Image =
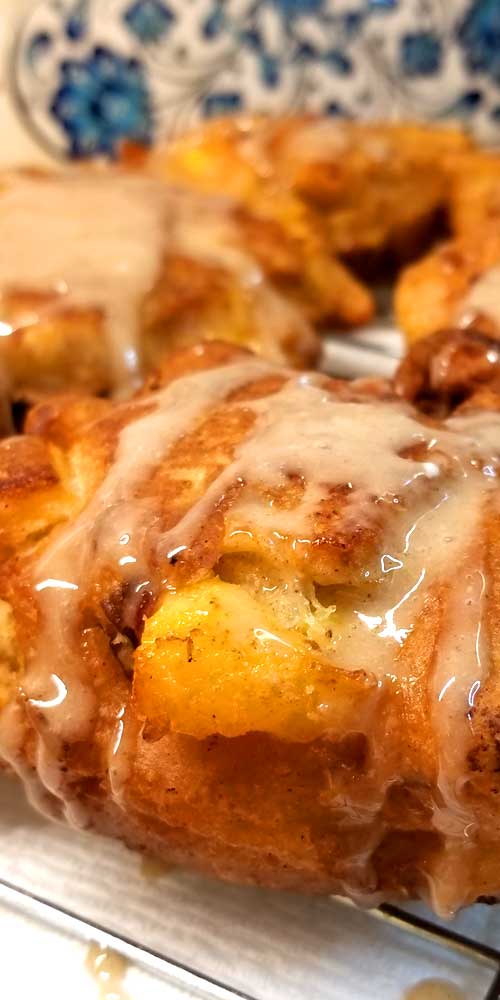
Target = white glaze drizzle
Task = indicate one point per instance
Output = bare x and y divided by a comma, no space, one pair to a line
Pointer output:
305,431
205,230
56,685
312,141
462,664
483,298
267,456
64,567
96,239
427,540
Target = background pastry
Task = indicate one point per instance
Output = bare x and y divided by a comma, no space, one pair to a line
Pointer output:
102,271
474,196
451,369
105,269
358,190
457,284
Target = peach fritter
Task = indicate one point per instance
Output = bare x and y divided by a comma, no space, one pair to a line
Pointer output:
341,188
104,270
250,625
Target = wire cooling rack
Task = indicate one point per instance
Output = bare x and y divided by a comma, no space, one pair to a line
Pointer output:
430,931
46,911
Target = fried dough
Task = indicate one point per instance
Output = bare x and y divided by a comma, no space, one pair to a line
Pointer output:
103,271
474,196
347,188
456,285
251,626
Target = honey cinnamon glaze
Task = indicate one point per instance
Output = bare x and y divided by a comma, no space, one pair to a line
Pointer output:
97,239
482,300
269,453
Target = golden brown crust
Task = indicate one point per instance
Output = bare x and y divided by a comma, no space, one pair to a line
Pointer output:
192,298
213,162
458,368
226,762
431,295
363,187
308,193
370,192
474,196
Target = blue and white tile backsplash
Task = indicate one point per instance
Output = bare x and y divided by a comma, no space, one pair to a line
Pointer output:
85,74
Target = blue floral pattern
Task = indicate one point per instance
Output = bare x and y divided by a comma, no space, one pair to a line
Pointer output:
479,34
91,73
76,21
420,54
101,101
150,20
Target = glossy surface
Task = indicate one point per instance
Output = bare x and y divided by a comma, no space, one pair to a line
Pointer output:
307,656
434,989
483,300
84,240
102,269
108,970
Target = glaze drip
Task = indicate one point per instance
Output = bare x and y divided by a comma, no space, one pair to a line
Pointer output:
421,488
483,299
88,239
97,239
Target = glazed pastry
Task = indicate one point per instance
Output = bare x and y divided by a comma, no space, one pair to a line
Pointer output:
354,189
250,625
451,369
102,271
455,285
474,196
